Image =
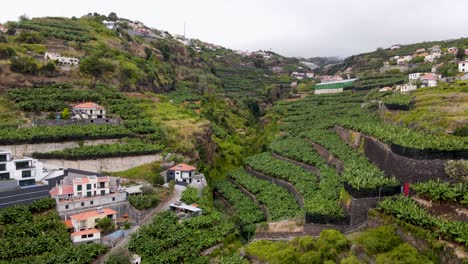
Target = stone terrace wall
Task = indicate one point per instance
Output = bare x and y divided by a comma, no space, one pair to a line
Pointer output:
104,165
403,168
21,150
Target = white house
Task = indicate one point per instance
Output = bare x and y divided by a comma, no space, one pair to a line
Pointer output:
404,59
414,77
429,79
463,66
181,173
277,69
88,110
298,75
406,88
431,57
110,24
396,46
82,187
61,60
24,170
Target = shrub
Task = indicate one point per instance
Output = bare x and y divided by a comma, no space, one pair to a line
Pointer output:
457,169
25,64
157,180
96,66
65,113
105,225
403,254
379,240
29,37
6,51
190,195
351,259
143,202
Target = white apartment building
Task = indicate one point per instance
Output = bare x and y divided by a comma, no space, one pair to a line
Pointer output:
24,170
61,60
413,77
463,66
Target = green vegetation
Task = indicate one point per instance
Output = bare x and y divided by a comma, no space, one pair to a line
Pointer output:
330,246
143,202
379,80
124,149
168,240
398,101
246,211
279,201
35,234
437,110
59,134
379,240
443,192
324,200
409,211
60,28
190,195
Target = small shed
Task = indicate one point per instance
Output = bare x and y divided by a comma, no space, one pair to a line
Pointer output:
183,208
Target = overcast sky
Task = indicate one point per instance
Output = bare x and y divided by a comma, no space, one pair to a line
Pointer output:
290,27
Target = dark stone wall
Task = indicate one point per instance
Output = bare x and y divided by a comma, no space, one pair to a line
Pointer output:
300,164
403,168
284,184
327,156
358,208
252,197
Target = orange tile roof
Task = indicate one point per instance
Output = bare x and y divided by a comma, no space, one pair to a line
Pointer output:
81,181
68,223
86,232
66,189
183,167
93,213
88,105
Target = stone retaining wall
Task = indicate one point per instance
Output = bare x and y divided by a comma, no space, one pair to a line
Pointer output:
300,164
403,168
284,184
105,164
252,197
326,155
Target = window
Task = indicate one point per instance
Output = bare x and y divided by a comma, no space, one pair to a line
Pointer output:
4,176
113,199
102,185
91,202
103,192
22,165
79,187
78,193
82,203
3,157
90,235
66,207
83,236
2,167
27,183
88,186
94,185
88,194
26,174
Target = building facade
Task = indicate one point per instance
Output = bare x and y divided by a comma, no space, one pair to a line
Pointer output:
463,66
88,110
181,173
26,171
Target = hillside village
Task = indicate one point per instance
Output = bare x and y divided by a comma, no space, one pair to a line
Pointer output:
122,141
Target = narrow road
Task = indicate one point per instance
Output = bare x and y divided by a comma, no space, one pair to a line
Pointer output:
163,206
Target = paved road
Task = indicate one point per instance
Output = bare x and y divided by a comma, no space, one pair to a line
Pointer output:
163,206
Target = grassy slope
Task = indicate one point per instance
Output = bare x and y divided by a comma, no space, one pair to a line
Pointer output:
437,110
9,115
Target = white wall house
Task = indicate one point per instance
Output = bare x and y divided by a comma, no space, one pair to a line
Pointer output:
429,80
110,24
463,66
61,60
181,173
414,77
81,187
406,88
88,110
25,170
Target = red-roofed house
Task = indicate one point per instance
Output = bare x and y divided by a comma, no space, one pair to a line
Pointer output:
87,186
181,173
84,224
86,236
3,29
429,79
88,110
